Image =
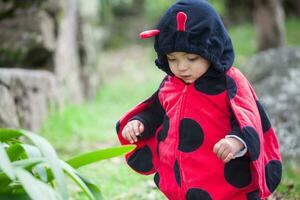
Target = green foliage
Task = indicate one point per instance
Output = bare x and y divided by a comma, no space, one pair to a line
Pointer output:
290,183
218,5
244,42
34,171
155,8
292,31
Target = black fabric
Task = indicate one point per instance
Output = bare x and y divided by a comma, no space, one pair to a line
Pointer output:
141,159
191,135
253,195
235,128
152,117
205,35
237,172
197,194
211,82
265,121
156,179
252,141
177,173
273,174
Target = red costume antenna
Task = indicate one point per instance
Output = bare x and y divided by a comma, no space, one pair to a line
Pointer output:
181,20
149,33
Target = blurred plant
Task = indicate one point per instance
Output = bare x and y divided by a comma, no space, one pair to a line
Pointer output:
34,171
219,6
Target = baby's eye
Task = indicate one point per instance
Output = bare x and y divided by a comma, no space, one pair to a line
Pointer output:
193,58
171,59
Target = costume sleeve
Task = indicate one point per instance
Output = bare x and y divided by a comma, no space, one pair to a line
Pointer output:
143,159
151,118
236,133
257,131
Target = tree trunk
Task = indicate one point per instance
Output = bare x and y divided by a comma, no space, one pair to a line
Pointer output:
67,66
269,21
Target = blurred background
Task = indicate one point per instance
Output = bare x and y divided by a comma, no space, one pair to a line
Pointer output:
69,69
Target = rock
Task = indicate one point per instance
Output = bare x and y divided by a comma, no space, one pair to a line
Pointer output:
27,38
26,97
8,117
47,36
275,76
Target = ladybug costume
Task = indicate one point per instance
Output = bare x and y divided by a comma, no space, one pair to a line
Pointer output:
182,122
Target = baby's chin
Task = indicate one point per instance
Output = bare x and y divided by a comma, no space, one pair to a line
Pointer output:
188,81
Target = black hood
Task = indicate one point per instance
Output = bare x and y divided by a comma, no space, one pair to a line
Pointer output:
204,34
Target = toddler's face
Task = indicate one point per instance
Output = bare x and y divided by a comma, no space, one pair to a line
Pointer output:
186,66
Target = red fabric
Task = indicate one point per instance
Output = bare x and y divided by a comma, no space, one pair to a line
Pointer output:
241,105
197,166
149,33
181,20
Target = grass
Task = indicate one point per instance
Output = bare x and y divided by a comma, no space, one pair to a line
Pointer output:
129,76
290,184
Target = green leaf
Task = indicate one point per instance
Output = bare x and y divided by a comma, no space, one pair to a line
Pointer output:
14,151
15,196
21,151
95,156
4,185
27,163
41,171
5,164
74,176
31,151
8,134
93,188
36,189
52,159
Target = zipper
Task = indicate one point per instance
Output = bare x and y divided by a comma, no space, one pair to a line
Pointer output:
178,153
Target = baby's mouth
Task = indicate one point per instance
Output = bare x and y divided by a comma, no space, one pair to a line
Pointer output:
185,76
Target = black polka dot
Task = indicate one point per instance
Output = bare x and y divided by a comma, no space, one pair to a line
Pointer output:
254,195
141,159
237,172
162,135
197,194
118,126
252,142
210,85
158,142
231,87
273,174
156,179
265,121
190,135
177,173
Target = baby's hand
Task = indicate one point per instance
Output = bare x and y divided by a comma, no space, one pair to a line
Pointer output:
226,148
132,129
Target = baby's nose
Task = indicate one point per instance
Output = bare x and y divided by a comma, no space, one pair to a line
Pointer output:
182,66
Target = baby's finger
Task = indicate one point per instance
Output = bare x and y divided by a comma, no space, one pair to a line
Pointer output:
141,127
220,151
216,147
224,154
228,158
132,134
123,132
126,134
136,130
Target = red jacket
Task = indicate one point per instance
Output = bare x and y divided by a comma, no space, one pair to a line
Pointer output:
180,149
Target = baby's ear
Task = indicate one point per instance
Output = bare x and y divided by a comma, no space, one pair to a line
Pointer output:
149,33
